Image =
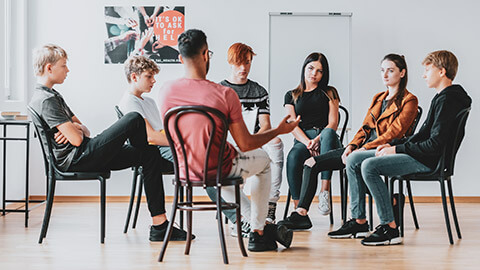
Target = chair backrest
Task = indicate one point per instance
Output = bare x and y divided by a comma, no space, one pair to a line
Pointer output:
446,163
119,113
43,132
414,125
176,140
345,121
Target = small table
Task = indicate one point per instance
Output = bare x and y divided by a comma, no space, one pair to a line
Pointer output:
26,139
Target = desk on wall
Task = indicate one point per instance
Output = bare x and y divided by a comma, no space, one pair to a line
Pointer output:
5,124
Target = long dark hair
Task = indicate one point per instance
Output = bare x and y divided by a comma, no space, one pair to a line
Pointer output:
399,61
323,83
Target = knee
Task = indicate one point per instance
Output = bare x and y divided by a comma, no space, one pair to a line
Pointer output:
134,117
353,160
368,165
328,133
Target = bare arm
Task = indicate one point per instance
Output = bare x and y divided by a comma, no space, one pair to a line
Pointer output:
70,132
85,130
333,114
264,120
154,136
297,132
246,141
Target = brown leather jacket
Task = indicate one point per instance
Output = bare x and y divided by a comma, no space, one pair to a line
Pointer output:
394,123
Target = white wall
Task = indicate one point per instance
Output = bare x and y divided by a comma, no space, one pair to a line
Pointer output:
412,28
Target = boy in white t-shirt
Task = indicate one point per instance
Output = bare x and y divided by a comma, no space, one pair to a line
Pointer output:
140,72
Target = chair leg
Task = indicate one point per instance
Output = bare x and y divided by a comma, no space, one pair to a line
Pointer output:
412,205
287,204
239,225
132,198
139,202
342,197
170,224
370,211
445,212
48,210
452,205
345,205
182,196
401,205
189,220
220,224
331,204
103,187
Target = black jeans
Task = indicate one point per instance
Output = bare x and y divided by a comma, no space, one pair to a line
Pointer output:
331,160
108,151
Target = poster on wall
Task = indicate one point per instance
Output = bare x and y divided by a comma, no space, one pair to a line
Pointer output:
151,31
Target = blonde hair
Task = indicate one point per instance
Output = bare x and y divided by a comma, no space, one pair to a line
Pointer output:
138,64
443,59
47,54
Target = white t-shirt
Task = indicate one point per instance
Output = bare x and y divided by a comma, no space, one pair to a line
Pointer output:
146,107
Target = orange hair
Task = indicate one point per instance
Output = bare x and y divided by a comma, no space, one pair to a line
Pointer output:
239,53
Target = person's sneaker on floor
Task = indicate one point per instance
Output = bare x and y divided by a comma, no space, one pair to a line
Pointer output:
279,233
296,222
257,242
395,207
383,235
351,229
157,233
324,202
272,208
245,229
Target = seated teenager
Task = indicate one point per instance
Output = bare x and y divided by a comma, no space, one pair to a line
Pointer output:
418,153
140,72
74,150
248,161
255,100
389,116
317,104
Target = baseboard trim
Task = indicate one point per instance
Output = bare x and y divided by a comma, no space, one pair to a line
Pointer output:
417,199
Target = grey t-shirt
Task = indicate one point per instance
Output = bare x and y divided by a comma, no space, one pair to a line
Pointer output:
373,133
51,106
252,96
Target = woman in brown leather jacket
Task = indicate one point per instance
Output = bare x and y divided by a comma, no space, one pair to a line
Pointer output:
390,116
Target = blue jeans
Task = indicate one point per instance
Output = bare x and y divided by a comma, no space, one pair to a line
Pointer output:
299,153
364,170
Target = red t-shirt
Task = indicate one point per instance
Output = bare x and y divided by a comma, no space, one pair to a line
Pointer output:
195,128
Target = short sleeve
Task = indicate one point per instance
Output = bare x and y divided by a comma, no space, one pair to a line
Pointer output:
235,107
332,94
54,113
264,104
288,99
129,104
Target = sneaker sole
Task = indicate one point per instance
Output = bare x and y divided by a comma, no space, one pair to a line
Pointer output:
393,241
346,236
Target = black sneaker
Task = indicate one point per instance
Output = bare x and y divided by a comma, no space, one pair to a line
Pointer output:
296,222
383,235
350,229
395,207
257,242
159,234
272,208
279,233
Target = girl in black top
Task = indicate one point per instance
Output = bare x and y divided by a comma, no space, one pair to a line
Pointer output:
317,104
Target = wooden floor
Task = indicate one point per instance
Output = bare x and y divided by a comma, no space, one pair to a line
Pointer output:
73,243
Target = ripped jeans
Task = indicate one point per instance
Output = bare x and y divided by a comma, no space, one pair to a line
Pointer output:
254,165
275,153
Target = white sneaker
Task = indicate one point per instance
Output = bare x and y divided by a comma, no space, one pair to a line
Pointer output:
324,203
245,229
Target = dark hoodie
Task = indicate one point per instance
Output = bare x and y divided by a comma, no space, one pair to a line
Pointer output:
427,144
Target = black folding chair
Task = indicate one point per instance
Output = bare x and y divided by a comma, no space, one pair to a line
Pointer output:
341,172
138,173
55,174
180,148
443,173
